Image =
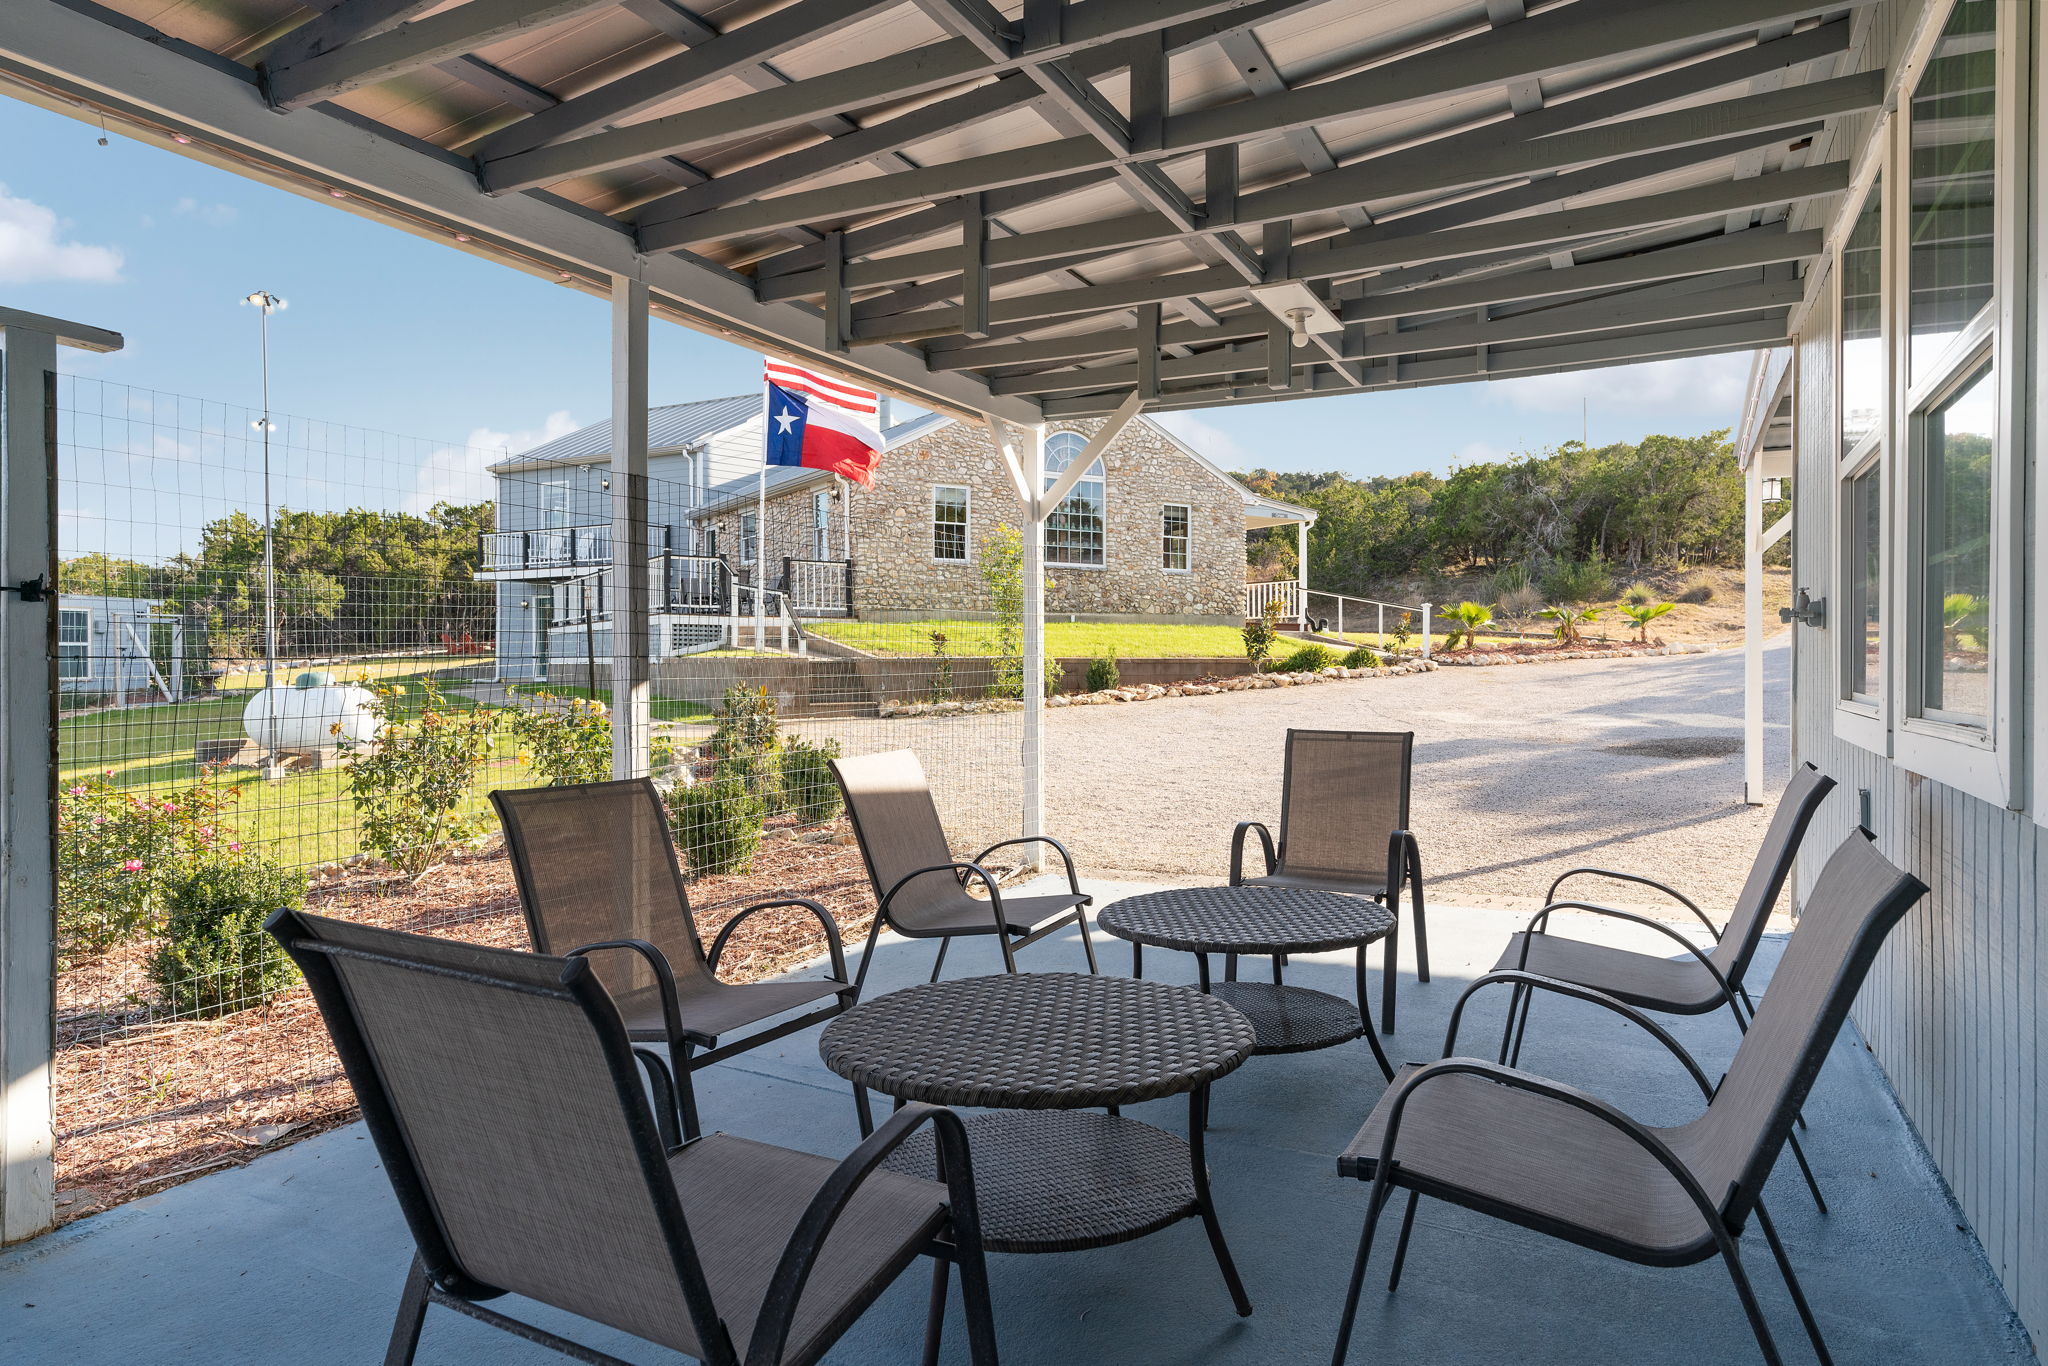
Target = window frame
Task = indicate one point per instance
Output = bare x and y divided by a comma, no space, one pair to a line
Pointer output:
821,524
966,493
1978,761
750,537
1187,539
1100,475
80,649
1861,719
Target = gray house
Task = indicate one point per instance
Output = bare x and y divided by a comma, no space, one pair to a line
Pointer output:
118,648
1155,532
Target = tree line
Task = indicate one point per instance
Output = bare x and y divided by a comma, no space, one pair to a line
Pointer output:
359,581
1663,501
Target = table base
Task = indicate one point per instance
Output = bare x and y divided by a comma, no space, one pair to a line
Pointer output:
1291,1019
1066,1180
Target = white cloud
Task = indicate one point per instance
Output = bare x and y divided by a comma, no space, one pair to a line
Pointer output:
1211,440
213,215
1691,384
35,248
1479,453
455,474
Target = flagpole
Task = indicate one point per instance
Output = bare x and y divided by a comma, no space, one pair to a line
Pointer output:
761,527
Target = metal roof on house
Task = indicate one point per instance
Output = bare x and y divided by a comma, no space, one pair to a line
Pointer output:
671,427
1040,210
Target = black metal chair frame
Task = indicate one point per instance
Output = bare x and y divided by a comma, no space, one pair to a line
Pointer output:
1404,863
1724,1233
436,1276
684,1043
998,924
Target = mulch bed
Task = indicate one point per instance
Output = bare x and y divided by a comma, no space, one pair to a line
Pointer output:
144,1103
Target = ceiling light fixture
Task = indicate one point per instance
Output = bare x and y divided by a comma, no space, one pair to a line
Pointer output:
1304,312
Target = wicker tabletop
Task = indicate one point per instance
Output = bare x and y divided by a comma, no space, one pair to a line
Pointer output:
1255,920
1037,1041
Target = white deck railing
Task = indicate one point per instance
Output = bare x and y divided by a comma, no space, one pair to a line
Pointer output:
1286,592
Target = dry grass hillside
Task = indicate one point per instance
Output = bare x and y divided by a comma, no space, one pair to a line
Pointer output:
1708,603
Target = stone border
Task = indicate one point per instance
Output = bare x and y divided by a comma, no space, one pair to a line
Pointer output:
1479,659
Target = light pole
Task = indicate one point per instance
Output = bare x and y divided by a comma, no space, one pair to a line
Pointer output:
266,304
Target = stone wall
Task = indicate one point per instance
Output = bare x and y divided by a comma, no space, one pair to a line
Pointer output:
895,576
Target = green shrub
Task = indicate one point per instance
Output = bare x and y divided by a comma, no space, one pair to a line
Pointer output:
940,688
1306,659
118,853
1463,622
564,740
747,743
1639,594
1586,580
1261,635
1698,588
1102,672
1507,579
1642,614
717,824
410,789
807,782
215,958
1362,658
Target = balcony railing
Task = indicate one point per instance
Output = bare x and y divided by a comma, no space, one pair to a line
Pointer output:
818,588
556,550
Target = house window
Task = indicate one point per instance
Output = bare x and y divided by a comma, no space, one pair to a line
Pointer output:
74,643
1073,533
1862,370
949,524
1951,230
1862,357
750,535
1863,619
1173,534
1954,443
821,525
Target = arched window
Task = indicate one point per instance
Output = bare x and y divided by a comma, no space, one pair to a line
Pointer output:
1073,533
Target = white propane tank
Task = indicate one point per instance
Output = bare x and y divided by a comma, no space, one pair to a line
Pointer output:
304,715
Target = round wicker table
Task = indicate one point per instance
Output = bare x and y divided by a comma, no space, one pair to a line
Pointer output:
1264,922
1040,1052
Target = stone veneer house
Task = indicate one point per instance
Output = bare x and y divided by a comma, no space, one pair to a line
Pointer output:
1155,532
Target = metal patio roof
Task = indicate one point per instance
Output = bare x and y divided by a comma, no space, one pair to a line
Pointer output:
1041,208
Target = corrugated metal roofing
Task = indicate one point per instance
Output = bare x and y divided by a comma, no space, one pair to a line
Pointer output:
671,427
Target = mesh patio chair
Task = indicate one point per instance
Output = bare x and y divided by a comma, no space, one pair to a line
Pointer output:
1700,982
1555,1159
597,876
921,889
510,1112
1344,800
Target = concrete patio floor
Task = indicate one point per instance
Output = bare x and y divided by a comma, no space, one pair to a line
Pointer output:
299,1257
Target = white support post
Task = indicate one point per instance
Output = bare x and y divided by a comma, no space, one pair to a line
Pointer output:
1425,630
1034,646
28,763
1301,566
631,673
1753,630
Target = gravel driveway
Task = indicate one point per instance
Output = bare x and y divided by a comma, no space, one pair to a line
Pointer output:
1519,772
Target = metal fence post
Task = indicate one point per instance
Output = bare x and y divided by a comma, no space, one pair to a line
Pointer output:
1033,756
631,672
28,763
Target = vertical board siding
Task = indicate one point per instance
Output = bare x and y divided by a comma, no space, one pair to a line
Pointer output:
1955,1008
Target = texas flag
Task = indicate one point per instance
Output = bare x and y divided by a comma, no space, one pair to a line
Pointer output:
821,424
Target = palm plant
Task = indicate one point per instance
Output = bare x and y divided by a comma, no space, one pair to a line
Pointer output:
1465,620
1960,612
1569,619
1642,614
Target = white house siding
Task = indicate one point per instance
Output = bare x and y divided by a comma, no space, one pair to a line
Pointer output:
1956,1008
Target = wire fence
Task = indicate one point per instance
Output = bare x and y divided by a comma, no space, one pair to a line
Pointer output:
308,701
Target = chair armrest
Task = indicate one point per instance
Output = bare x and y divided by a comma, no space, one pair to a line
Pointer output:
1541,917
1237,850
995,895
824,918
1583,1101
663,1083
664,981
785,1290
1587,994
1073,881
1640,881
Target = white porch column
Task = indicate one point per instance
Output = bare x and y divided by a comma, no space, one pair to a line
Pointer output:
1301,566
28,763
1753,630
1033,756
631,644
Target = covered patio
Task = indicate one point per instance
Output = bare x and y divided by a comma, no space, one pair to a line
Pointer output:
1052,213
300,1256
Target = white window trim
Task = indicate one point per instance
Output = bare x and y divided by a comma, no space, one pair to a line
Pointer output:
1978,762
750,543
80,650
1050,474
1187,537
966,526
1865,723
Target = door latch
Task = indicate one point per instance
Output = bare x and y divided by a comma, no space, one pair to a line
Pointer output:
36,589
1806,610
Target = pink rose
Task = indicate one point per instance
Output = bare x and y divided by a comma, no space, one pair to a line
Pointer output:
78,791
234,848
133,865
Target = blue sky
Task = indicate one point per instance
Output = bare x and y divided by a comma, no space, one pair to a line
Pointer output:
390,332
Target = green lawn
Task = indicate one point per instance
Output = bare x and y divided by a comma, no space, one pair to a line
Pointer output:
664,708
1129,640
